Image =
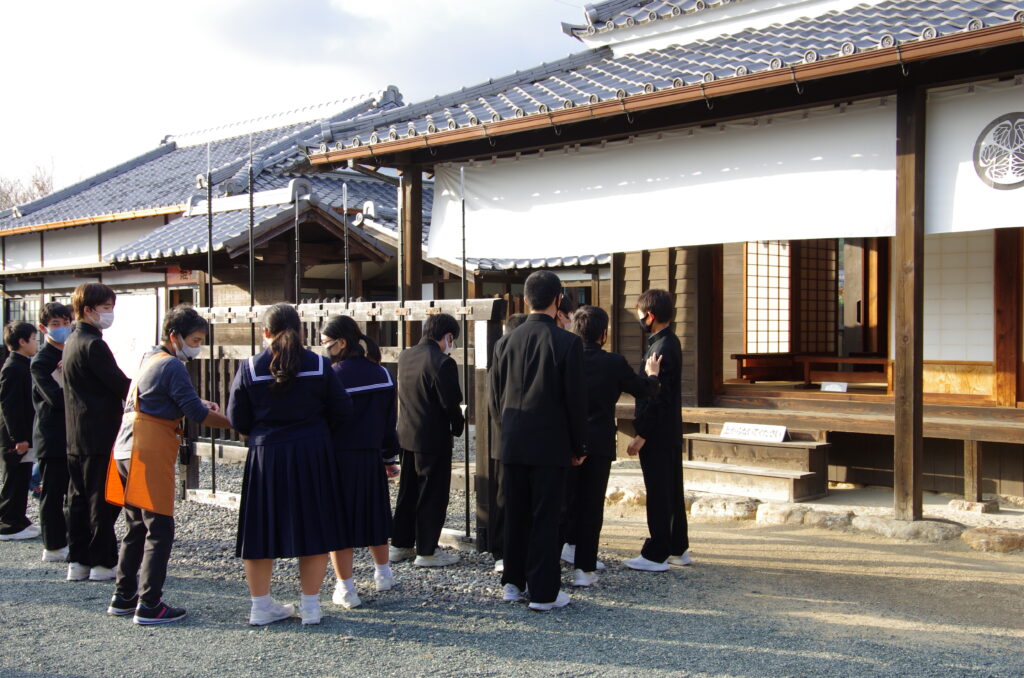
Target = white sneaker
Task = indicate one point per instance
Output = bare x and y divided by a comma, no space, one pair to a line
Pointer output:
397,554
345,598
55,556
569,553
382,583
77,572
560,601
584,578
601,566
682,560
511,593
100,573
499,565
439,559
30,532
274,613
641,563
310,613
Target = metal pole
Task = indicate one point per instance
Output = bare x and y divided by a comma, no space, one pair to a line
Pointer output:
252,251
465,346
212,370
298,251
401,256
344,222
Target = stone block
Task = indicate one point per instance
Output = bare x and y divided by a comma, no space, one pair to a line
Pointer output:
994,539
614,495
974,506
828,519
916,530
781,514
725,508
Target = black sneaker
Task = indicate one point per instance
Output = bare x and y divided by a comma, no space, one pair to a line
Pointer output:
162,613
122,607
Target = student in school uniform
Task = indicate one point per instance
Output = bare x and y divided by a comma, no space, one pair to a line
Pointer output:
16,416
659,441
141,473
367,454
287,400
537,391
49,434
94,388
430,415
607,376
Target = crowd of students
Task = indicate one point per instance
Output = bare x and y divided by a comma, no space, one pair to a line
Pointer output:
325,432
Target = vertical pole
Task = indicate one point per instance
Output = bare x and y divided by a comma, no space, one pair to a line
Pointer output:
972,470
465,350
412,243
401,257
908,442
344,222
252,251
212,370
298,250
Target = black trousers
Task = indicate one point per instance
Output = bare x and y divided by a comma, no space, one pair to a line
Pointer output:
145,551
496,538
585,489
422,504
53,473
666,512
91,538
14,494
533,507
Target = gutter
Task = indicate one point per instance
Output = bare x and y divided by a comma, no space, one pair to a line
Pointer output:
898,55
104,218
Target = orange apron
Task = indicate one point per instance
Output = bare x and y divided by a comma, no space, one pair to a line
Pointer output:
150,482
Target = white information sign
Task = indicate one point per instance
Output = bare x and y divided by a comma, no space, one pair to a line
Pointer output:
834,386
760,432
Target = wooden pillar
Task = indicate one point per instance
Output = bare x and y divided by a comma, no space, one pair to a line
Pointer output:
972,470
411,275
487,334
908,260
708,307
355,279
617,301
1007,296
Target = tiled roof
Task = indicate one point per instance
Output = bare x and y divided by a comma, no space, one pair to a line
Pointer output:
166,176
607,16
597,75
549,262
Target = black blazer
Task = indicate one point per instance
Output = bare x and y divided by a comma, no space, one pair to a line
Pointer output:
538,394
429,399
659,418
607,376
16,413
49,435
94,387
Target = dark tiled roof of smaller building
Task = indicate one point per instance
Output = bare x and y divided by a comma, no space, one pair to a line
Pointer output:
607,16
548,262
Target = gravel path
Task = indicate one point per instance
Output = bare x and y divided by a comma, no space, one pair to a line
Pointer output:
761,601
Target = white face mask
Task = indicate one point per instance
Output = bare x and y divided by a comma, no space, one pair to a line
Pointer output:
185,352
105,320
449,344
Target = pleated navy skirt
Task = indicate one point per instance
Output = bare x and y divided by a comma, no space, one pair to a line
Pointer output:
291,503
365,497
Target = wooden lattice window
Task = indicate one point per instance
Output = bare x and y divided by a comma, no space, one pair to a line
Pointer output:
768,296
819,296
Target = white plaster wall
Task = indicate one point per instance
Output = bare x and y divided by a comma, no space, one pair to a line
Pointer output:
119,233
132,278
959,312
71,247
22,252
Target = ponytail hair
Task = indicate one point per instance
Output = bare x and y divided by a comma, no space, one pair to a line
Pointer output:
343,327
282,321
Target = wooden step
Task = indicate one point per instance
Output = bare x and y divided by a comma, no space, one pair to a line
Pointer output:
803,455
768,484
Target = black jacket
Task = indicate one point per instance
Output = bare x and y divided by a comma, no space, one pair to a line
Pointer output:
94,387
49,435
537,392
16,413
607,376
429,399
659,418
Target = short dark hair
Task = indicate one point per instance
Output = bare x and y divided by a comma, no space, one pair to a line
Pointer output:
16,331
52,310
436,326
90,295
183,320
589,323
515,320
658,302
541,289
567,305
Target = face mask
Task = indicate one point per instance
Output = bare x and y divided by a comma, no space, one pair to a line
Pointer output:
326,351
59,334
643,325
185,352
449,345
105,321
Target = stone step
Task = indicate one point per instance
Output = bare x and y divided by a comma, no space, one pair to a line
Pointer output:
770,484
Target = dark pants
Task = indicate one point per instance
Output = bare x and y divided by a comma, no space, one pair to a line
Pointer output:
666,512
533,506
585,489
422,504
91,539
145,551
53,472
14,494
496,538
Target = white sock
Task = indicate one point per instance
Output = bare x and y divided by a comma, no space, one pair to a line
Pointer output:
382,570
349,584
310,601
262,602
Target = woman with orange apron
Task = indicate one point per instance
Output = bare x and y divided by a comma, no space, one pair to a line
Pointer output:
141,473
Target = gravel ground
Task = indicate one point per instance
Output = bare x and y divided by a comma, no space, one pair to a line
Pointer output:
761,601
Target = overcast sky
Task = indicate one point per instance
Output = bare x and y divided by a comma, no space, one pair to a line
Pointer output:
90,84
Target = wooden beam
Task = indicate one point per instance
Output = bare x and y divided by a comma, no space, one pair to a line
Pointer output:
972,470
707,307
908,443
1007,296
412,244
618,271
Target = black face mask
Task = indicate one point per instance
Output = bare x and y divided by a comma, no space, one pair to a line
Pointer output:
644,326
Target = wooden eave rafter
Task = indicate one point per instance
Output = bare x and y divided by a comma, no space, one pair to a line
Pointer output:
995,36
103,218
